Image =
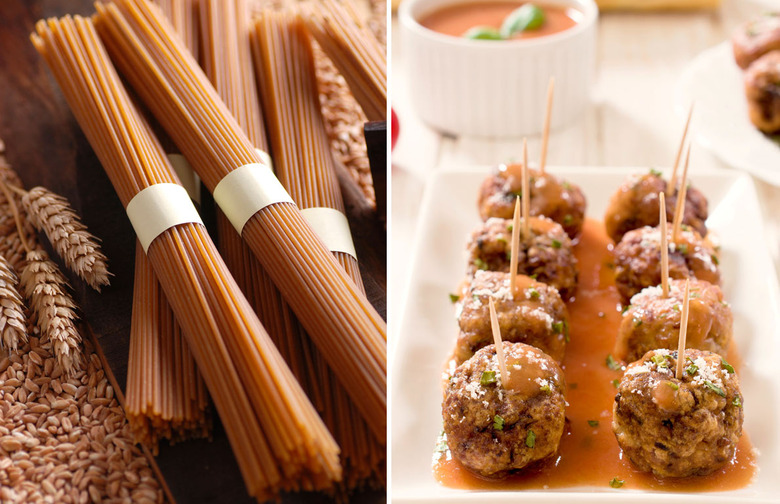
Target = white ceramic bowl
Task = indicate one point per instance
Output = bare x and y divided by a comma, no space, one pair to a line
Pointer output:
497,88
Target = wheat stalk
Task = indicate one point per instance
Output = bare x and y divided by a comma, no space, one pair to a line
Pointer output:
79,249
44,286
13,326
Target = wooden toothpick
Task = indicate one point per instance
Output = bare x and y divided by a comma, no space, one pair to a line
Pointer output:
670,185
679,209
526,194
514,247
683,332
664,245
499,344
546,127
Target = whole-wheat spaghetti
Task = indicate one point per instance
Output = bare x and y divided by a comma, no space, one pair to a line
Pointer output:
341,321
276,435
355,51
286,76
183,15
165,394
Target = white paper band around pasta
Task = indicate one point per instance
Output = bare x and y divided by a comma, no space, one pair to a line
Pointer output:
246,190
160,207
332,227
265,158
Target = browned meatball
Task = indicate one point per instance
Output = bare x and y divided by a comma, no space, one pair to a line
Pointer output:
494,430
550,196
635,204
756,38
762,89
547,255
653,321
677,428
638,259
535,315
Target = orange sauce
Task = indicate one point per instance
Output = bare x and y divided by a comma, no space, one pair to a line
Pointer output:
456,19
589,455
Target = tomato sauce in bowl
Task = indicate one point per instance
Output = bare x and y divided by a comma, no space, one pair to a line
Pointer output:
457,19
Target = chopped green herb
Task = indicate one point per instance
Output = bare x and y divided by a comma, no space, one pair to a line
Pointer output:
683,248
567,219
454,298
501,239
625,309
475,297
660,360
616,483
691,370
557,327
556,244
676,307
615,383
479,263
518,193
715,259
673,385
533,293
525,17
737,402
637,322
530,439
693,295
566,186
715,388
593,423
487,378
566,330
498,422
509,228
546,388
655,173
728,367
508,253
534,276
612,363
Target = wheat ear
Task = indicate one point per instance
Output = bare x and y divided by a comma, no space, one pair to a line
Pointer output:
44,286
79,249
13,327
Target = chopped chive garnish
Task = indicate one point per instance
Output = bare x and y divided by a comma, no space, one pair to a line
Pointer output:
715,259
533,293
593,423
673,385
637,322
683,248
737,402
487,378
546,388
498,422
479,263
616,483
557,327
655,172
660,360
625,309
568,219
728,367
715,388
615,383
556,244
530,439
454,298
612,363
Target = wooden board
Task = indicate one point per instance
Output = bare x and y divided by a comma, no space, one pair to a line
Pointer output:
45,145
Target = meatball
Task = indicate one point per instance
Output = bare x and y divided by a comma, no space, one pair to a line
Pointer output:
550,196
638,259
677,428
756,38
547,255
494,430
762,89
535,315
653,321
635,204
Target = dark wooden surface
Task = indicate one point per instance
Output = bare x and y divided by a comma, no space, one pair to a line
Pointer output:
46,147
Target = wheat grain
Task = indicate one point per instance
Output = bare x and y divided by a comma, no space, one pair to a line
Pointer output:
53,214
12,322
53,308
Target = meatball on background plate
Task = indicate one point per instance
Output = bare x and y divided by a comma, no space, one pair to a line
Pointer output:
424,334
715,82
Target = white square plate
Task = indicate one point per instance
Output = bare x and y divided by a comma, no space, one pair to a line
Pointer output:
426,329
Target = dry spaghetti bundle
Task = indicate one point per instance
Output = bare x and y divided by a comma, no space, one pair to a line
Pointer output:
355,51
277,437
347,330
165,394
286,75
183,15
